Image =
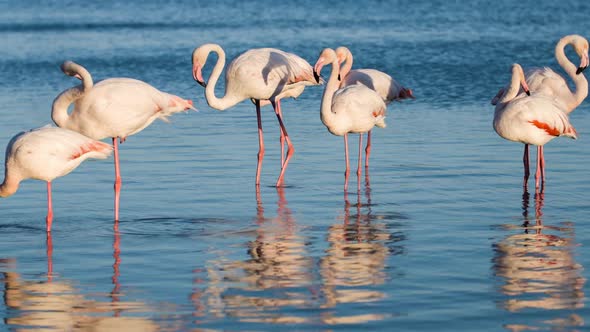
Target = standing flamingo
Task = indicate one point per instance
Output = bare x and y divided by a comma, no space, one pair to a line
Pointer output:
263,75
534,119
352,109
45,154
548,82
114,107
385,85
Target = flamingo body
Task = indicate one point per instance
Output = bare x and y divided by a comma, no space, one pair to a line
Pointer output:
386,86
45,154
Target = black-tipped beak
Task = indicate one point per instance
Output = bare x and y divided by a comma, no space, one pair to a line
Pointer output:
203,84
339,77
316,76
580,70
528,93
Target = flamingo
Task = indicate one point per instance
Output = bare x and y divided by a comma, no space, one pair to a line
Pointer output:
114,107
385,85
263,75
546,81
44,154
534,119
352,109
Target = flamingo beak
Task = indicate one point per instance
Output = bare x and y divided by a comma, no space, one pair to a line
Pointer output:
583,64
198,75
316,76
525,87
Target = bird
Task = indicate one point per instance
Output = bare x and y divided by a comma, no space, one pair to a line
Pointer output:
530,119
385,85
263,75
352,109
546,81
47,153
112,108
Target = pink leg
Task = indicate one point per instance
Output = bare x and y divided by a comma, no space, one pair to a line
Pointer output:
347,171
117,178
290,148
368,149
260,143
282,139
359,164
542,166
49,218
49,251
525,160
538,172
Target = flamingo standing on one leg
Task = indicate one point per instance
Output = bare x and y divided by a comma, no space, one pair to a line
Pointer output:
352,109
45,154
264,75
114,107
385,85
534,119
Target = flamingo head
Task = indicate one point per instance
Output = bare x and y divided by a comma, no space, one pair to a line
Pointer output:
341,54
518,72
406,93
69,68
199,59
581,47
326,56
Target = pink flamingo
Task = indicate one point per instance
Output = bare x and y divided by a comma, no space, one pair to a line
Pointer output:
548,82
263,75
352,109
534,119
385,85
114,107
45,154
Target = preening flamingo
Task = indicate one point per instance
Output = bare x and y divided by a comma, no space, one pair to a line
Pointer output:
385,85
45,154
263,75
548,82
114,107
352,109
534,119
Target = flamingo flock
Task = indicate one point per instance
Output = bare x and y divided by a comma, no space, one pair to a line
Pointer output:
532,109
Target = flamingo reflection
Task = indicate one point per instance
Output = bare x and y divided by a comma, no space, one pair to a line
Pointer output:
355,260
56,305
538,268
277,273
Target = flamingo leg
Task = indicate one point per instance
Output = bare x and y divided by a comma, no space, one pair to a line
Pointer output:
290,148
538,171
282,139
49,218
117,178
368,149
347,171
260,143
359,163
49,252
542,166
525,160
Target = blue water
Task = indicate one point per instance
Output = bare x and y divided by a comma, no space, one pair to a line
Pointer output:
440,235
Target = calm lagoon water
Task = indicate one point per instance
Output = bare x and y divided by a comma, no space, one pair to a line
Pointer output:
440,235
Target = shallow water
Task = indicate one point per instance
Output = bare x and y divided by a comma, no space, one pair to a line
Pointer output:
439,234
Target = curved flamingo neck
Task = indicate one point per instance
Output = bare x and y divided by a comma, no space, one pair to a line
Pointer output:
347,66
514,86
59,111
580,81
228,100
326,107
9,186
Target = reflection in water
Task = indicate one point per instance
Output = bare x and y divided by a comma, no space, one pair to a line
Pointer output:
275,276
55,305
355,261
539,269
